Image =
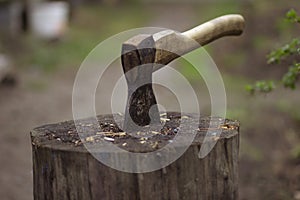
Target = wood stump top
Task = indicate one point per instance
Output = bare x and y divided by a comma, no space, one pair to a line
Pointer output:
64,135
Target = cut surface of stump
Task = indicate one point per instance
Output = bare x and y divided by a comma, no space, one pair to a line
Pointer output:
64,169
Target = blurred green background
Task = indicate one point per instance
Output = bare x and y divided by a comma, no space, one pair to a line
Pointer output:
44,72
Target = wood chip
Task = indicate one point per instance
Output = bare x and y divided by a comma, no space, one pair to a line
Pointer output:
78,142
164,119
111,134
155,145
90,139
121,134
155,132
109,139
228,126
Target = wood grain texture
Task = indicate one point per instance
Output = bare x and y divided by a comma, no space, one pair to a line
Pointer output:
227,25
63,171
171,44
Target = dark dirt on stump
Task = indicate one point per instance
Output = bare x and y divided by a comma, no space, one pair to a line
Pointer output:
107,130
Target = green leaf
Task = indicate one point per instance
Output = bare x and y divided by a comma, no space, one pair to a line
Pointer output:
289,49
292,16
261,86
290,78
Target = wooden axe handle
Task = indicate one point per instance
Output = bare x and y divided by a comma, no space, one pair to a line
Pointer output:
170,45
227,25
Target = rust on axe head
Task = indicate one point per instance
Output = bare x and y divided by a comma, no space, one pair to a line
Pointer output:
138,54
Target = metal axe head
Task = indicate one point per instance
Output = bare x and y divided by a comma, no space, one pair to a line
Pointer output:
138,54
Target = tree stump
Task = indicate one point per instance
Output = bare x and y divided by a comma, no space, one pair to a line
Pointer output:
64,169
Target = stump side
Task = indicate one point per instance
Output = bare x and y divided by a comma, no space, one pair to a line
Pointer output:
64,170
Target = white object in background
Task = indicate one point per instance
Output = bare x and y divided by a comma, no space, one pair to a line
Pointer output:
49,20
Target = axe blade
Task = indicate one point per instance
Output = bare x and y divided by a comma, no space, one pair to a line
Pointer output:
138,54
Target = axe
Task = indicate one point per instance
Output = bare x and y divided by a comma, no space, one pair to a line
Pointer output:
144,54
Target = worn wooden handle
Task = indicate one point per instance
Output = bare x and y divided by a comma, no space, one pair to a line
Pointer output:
227,25
170,44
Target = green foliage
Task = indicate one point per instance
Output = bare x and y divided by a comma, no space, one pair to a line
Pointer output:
280,54
261,86
290,78
292,48
292,16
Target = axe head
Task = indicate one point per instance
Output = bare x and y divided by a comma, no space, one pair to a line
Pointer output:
138,56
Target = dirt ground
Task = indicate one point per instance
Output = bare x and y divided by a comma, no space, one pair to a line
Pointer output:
268,134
